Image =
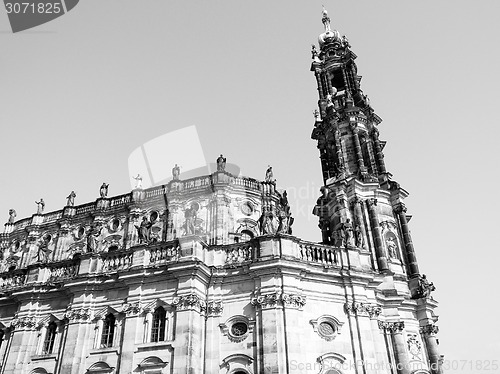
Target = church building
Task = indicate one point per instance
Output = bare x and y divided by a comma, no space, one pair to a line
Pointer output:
205,276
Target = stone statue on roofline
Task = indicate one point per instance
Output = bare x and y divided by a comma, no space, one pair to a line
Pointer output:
176,171
269,174
71,199
40,206
103,191
138,181
221,163
12,216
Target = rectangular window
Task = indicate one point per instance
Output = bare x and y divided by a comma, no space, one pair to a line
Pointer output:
158,327
108,331
50,338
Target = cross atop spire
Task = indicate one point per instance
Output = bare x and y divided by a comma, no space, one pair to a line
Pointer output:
326,20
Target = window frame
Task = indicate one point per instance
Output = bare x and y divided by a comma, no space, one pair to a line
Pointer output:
158,325
49,340
108,331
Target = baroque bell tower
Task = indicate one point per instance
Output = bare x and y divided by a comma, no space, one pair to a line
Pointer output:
361,207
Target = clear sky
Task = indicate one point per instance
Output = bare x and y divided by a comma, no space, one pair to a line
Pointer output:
79,94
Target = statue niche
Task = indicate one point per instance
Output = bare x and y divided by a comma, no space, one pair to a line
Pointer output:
391,244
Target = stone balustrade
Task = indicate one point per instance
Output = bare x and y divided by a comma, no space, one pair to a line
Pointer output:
9,281
236,254
321,254
183,249
163,254
116,261
62,271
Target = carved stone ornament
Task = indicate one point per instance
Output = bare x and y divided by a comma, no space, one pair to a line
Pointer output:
400,208
215,308
430,329
391,327
355,308
24,323
279,299
132,308
82,314
387,225
414,346
424,288
190,301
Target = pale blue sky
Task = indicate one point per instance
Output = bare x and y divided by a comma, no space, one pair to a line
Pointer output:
79,94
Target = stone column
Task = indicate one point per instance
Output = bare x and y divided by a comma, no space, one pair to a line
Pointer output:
357,148
379,250
76,345
369,345
429,333
373,162
293,319
270,328
23,344
328,79
399,345
189,334
213,338
413,271
5,335
378,151
130,334
317,74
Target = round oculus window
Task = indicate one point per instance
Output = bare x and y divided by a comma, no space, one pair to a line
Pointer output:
239,329
326,329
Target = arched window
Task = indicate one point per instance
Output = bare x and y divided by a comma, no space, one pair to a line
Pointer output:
158,326
50,338
108,331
